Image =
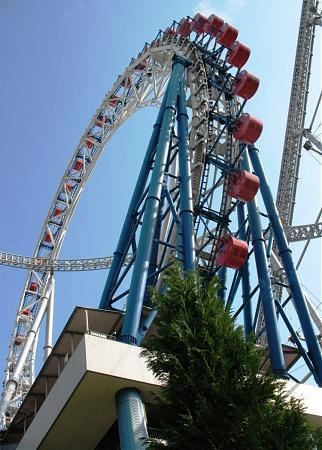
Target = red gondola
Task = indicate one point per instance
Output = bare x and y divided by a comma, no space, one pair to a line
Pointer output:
247,129
231,252
245,85
238,55
213,25
227,35
184,27
243,185
198,23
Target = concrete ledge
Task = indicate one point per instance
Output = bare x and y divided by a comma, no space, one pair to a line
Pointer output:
80,408
72,401
311,397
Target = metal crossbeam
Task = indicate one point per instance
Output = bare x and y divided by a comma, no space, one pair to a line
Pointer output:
312,142
303,232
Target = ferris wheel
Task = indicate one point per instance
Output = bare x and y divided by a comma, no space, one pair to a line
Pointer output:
194,200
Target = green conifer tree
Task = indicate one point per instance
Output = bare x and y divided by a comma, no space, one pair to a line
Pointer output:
213,396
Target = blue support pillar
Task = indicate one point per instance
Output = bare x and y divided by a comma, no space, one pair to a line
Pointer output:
266,294
177,221
131,420
142,260
290,271
233,289
247,310
145,326
186,203
154,256
222,275
130,220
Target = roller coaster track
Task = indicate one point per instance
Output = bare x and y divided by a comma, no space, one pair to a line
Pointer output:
294,234
56,265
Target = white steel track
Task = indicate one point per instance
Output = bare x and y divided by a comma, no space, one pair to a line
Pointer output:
56,265
142,84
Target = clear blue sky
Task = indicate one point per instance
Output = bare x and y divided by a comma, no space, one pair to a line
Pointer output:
58,60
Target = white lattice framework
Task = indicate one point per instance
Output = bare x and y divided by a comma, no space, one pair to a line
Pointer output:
141,85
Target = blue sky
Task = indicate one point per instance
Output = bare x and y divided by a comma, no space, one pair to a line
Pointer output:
58,61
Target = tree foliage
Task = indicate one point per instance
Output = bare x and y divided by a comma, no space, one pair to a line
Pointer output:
213,396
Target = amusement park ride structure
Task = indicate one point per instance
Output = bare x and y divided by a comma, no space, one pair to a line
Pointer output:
194,200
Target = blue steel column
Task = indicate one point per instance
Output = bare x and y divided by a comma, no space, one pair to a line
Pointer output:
248,316
222,275
131,420
142,260
186,204
154,258
124,243
274,344
286,257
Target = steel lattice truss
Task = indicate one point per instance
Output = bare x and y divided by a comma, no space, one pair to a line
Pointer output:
290,164
57,265
295,131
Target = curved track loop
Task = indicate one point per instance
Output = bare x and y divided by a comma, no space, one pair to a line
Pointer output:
215,154
142,84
